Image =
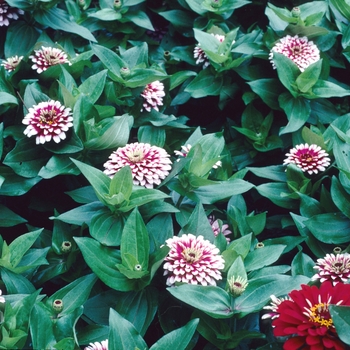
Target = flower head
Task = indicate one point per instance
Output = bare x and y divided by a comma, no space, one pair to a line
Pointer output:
8,13
308,158
333,268
219,227
48,121
200,55
192,260
306,320
300,50
153,96
149,164
11,63
184,151
237,285
98,346
47,57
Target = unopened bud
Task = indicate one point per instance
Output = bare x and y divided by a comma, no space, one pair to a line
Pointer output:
216,3
259,245
117,4
296,12
167,55
66,247
124,72
337,250
57,305
237,285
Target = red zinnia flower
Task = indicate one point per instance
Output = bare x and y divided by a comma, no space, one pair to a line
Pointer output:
47,57
192,260
48,121
306,318
149,164
308,158
8,13
334,268
300,50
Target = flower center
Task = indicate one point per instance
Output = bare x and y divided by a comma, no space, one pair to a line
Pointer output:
319,314
135,156
296,50
47,116
191,255
307,157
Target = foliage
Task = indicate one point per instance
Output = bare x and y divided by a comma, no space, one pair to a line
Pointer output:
71,234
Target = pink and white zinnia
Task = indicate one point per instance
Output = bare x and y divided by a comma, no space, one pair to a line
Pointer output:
300,50
153,96
193,260
103,345
47,57
48,121
311,159
149,164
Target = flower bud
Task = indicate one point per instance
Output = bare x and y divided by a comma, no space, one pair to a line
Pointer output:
295,12
259,245
117,4
337,250
167,55
81,3
124,72
237,285
138,267
57,305
216,3
66,247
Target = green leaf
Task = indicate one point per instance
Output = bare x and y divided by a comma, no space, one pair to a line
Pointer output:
268,90
297,110
122,182
302,264
326,89
74,294
212,300
331,228
135,241
307,79
287,71
58,19
93,86
8,218
115,135
102,261
16,283
6,98
98,180
179,338
341,317
179,77
80,215
122,334
106,14
58,165
21,245
261,257
340,197
205,84
259,290
241,245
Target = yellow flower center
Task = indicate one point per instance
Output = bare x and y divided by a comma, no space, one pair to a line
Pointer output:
191,255
47,117
319,314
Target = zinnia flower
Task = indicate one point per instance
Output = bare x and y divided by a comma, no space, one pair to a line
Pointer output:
333,268
98,346
217,228
47,57
149,164
8,13
300,50
153,96
200,55
184,151
237,285
273,307
48,121
308,158
192,260
306,319
11,63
